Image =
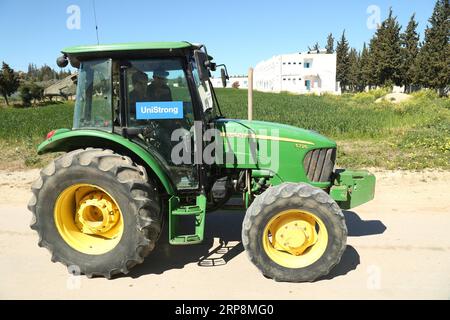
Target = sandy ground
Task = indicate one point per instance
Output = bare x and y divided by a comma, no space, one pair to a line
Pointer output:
398,248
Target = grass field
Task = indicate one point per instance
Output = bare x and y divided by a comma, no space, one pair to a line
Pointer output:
411,135
22,129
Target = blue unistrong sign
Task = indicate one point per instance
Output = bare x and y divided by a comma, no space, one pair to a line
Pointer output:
159,110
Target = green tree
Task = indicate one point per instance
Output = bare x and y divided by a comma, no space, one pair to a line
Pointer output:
315,47
25,94
32,72
364,67
342,62
9,82
330,43
36,91
372,66
46,73
433,60
385,52
410,49
354,71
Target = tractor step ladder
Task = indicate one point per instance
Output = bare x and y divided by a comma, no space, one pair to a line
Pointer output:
176,212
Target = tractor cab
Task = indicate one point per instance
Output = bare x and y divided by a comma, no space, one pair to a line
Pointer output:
149,93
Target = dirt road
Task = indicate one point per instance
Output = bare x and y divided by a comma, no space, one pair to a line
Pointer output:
398,247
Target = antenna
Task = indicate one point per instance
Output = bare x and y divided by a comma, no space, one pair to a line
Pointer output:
95,18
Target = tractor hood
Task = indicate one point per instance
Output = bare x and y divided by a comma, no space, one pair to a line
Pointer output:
270,149
262,130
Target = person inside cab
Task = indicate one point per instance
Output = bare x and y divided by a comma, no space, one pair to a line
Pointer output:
158,90
139,81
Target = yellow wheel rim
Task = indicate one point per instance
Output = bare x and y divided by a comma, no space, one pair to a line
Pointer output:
88,219
295,238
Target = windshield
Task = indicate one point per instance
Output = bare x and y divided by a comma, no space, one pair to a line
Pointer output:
157,90
93,102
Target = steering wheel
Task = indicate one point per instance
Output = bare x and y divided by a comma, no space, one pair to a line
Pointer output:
150,134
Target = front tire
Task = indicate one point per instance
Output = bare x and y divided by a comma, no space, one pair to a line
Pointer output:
96,212
294,232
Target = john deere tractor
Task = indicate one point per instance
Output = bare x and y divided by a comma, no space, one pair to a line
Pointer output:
150,151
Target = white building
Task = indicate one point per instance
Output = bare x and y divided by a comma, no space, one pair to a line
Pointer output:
297,73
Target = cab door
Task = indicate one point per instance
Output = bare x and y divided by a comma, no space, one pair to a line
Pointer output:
159,104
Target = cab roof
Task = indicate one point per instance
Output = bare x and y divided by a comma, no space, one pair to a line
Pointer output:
128,47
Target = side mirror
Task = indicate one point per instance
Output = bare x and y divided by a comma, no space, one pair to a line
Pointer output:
75,62
224,77
62,61
201,59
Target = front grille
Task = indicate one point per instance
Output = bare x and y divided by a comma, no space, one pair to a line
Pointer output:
319,164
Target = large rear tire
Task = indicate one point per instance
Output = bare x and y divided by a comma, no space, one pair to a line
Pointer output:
294,232
96,212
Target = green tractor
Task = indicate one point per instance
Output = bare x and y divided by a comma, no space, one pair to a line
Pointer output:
150,151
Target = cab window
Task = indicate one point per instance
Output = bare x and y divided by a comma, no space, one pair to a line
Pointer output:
94,94
158,90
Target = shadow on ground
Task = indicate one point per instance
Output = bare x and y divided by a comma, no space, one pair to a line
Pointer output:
226,226
358,228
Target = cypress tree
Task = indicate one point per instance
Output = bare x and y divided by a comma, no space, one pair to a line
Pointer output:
354,71
330,43
433,60
342,62
385,52
372,67
364,67
410,49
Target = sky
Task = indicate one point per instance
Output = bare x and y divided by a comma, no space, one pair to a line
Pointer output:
237,33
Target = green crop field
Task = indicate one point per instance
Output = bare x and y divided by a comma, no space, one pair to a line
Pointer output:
22,129
411,135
